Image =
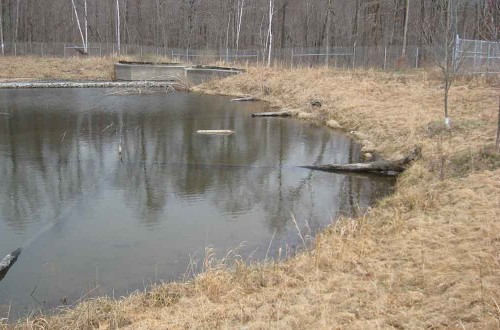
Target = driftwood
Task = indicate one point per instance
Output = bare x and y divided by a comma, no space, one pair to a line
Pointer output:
216,131
8,261
245,99
382,167
273,114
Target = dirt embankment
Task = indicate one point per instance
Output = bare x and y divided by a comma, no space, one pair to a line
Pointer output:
426,257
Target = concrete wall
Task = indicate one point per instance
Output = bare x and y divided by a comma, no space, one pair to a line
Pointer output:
149,72
200,75
162,72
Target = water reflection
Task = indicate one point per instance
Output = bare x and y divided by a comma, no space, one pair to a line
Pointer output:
74,204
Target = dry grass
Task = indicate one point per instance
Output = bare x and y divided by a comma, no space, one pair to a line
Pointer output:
50,68
426,257
26,68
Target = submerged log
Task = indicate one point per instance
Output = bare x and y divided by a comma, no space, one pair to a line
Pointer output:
245,99
273,114
383,167
8,261
216,131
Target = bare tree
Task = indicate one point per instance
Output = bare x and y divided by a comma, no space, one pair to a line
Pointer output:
241,4
202,24
270,32
17,22
328,28
118,39
86,27
1,29
79,26
441,45
405,32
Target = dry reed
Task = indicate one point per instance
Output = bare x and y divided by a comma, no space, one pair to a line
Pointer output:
425,257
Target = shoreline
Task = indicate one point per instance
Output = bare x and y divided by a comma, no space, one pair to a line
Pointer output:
85,84
425,256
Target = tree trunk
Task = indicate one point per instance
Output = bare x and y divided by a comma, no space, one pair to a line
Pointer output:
241,3
1,29
118,27
270,32
328,23
8,262
405,32
273,114
283,28
79,26
86,46
355,22
382,167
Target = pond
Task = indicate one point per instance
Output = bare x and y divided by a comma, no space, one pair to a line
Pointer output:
92,222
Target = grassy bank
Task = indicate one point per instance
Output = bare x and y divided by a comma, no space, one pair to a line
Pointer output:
426,257
26,68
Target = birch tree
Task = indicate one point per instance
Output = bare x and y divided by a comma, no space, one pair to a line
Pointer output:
270,32
328,23
84,43
1,29
241,4
118,27
405,32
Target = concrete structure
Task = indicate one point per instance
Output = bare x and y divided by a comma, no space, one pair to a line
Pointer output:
170,72
199,75
158,72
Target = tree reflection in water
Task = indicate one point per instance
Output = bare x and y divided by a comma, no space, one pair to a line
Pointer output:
171,192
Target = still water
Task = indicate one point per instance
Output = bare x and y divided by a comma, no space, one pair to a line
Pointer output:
90,220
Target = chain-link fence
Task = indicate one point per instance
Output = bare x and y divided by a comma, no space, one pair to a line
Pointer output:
477,56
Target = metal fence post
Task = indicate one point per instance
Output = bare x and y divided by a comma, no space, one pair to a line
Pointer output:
41,48
385,58
354,56
416,59
488,60
291,60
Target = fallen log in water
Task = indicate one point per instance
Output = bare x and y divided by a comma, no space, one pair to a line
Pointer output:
245,99
216,131
8,261
273,114
383,167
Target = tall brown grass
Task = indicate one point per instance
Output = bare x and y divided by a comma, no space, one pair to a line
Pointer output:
427,256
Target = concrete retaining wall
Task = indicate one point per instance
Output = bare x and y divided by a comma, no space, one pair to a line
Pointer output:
200,75
169,72
158,72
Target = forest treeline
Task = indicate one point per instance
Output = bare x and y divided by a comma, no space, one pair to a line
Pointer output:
217,24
